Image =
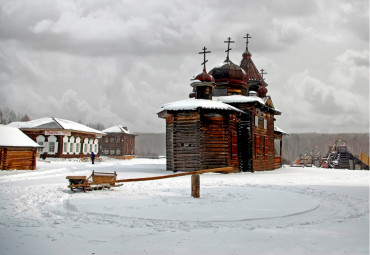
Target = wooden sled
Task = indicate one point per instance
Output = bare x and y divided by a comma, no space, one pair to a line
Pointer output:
96,181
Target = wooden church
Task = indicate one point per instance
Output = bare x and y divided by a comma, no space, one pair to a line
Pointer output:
228,120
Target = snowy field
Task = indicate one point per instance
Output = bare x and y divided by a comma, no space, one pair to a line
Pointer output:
286,211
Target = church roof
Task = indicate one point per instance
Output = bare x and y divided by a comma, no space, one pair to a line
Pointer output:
194,104
13,137
240,99
249,67
279,130
54,123
247,99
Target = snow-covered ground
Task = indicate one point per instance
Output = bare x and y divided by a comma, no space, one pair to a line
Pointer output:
286,211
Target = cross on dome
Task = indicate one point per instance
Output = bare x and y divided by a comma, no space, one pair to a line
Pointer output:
247,37
228,47
262,73
204,52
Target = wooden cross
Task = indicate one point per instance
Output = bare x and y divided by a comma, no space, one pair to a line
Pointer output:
228,47
262,73
204,52
247,37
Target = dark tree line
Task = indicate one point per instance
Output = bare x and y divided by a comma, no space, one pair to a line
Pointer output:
7,116
294,144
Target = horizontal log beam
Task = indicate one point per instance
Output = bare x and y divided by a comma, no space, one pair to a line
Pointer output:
213,170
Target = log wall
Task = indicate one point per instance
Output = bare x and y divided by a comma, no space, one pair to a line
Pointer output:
215,141
263,140
183,142
18,158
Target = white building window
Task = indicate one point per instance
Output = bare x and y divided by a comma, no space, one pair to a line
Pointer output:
85,146
52,145
65,145
96,146
41,141
78,145
72,145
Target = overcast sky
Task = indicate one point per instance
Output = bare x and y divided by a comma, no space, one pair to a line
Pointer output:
112,61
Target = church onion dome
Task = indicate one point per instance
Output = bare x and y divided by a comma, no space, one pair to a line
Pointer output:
204,77
262,91
229,72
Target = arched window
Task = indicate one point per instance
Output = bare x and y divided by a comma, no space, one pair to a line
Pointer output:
96,146
85,146
72,145
65,145
91,145
78,145
52,145
41,141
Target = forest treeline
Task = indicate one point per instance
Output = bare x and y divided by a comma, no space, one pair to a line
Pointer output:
154,144
8,115
294,144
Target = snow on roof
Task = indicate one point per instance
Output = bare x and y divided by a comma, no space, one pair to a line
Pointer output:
193,104
13,137
54,123
239,99
277,129
118,129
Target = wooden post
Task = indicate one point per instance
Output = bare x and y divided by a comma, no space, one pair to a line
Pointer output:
195,185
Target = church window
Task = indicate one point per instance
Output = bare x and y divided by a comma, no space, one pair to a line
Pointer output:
265,124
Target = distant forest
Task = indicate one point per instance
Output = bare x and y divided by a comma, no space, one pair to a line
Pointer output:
154,144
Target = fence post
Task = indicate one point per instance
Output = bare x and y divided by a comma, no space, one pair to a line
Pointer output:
195,185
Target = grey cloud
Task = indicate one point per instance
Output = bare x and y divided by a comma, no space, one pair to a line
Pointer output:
119,61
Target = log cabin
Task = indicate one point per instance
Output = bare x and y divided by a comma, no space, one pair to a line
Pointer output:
17,150
60,138
228,121
119,142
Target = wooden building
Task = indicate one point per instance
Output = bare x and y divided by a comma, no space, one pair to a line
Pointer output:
17,150
229,121
119,142
61,138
